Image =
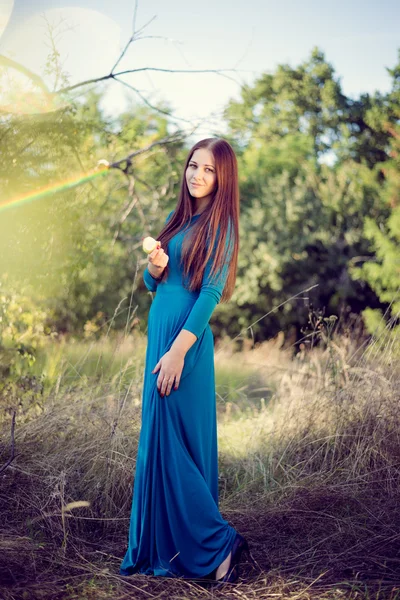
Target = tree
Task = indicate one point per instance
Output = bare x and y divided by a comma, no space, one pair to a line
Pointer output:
383,271
303,220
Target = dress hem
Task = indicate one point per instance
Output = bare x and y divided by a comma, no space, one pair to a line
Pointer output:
170,574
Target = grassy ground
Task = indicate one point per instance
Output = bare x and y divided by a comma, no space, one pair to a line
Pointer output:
309,451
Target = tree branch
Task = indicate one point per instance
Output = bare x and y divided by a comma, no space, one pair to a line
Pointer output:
163,112
176,137
115,75
112,75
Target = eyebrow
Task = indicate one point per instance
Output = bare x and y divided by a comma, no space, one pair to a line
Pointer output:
204,165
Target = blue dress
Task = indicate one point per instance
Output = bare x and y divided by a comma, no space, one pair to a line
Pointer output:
176,529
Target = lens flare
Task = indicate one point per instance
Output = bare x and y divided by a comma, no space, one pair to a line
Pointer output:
85,40
54,188
6,8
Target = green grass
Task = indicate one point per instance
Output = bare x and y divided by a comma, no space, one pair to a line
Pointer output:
308,464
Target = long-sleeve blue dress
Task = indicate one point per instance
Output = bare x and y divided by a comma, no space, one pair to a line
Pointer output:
176,529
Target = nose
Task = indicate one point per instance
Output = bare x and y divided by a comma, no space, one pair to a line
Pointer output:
196,176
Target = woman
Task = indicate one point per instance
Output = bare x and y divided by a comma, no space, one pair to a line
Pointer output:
176,529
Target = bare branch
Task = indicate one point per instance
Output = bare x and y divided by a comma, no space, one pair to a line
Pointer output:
176,137
133,37
221,72
52,37
134,17
163,112
122,54
136,35
146,24
127,211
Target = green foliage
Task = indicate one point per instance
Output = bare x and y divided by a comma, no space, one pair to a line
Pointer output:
80,248
318,197
382,272
305,99
304,221
71,260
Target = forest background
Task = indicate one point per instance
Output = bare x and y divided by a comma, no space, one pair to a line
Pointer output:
303,223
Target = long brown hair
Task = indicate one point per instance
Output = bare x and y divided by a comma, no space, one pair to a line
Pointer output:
221,214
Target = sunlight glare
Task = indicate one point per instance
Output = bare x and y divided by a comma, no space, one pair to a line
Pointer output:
88,43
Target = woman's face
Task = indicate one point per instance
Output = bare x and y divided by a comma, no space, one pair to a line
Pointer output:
201,177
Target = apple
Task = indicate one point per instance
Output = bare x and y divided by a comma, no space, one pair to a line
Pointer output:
103,163
149,244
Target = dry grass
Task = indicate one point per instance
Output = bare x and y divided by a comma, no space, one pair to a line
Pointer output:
309,471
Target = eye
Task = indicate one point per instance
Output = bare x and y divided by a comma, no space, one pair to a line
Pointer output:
207,168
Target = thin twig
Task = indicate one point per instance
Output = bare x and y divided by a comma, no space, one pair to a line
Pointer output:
221,72
176,137
163,112
266,315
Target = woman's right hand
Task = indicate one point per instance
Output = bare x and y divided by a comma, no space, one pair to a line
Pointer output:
158,260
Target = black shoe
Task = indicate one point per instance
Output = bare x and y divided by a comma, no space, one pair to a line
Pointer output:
240,545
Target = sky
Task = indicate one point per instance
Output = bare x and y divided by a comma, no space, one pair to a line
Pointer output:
245,37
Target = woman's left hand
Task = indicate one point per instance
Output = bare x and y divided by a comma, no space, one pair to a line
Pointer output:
171,365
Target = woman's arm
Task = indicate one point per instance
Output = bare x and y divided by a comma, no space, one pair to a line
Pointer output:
151,282
183,342
210,292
